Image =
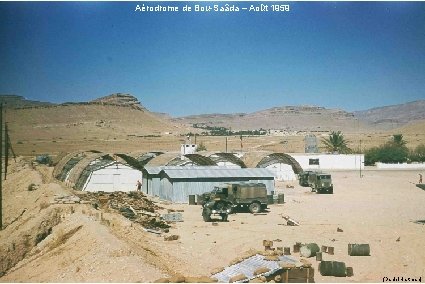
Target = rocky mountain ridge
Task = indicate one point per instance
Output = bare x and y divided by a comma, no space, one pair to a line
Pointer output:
117,99
15,101
120,99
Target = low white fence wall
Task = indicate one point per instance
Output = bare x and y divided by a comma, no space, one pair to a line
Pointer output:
331,161
400,166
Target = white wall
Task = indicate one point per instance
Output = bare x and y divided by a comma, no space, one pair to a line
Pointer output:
400,166
117,177
282,172
330,161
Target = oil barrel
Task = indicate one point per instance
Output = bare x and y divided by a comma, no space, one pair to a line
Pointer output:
280,198
270,199
309,250
192,200
332,268
358,249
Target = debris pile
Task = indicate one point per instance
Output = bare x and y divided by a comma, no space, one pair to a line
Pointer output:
67,199
133,205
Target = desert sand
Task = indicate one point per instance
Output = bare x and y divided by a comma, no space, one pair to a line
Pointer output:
89,245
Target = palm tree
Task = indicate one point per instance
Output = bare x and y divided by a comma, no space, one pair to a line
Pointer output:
398,140
336,143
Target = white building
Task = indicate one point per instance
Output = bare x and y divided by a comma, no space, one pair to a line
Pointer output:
330,161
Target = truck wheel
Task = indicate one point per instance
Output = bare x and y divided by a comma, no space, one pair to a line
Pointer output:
254,207
331,191
206,215
224,217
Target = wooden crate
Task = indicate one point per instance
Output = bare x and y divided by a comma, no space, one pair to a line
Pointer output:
297,275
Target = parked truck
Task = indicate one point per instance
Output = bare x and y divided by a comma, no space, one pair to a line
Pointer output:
303,178
228,197
320,182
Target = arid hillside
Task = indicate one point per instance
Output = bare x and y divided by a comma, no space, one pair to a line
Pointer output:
67,127
290,118
394,116
119,123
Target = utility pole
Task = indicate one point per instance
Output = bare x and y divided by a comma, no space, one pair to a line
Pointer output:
6,150
1,162
360,158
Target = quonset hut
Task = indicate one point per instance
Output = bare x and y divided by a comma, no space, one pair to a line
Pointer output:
95,171
177,183
284,166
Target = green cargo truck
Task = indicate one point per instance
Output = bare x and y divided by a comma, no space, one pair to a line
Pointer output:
320,182
234,195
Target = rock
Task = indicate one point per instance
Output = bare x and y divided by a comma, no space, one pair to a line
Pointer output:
201,279
171,238
217,270
305,262
162,280
33,187
271,258
238,277
120,100
255,280
261,270
286,265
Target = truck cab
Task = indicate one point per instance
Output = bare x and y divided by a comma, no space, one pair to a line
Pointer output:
321,182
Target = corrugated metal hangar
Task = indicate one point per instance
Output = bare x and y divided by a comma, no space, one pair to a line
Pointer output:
177,183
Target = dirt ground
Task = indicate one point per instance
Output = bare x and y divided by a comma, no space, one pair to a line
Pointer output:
44,242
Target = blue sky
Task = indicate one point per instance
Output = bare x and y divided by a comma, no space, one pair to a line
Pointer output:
349,55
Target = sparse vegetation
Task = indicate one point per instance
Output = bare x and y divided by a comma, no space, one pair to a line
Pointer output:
223,131
418,154
201,147
394,151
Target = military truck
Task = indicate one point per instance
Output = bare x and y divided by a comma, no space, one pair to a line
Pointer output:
303,178
233,196
216,207
320,182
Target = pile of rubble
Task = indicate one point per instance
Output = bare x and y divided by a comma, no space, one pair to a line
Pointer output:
133,205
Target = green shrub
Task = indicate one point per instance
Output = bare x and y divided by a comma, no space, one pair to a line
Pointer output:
394,151
201,147
418,155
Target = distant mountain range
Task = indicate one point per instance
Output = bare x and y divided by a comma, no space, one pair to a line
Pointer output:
389,117
286,118
314,118
289,118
